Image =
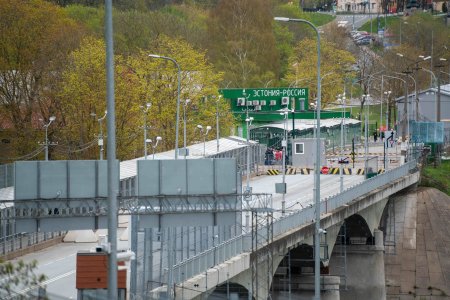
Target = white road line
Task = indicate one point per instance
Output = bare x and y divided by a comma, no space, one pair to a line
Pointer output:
25,291
58,277
56,260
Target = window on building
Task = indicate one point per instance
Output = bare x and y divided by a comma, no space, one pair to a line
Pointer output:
299,148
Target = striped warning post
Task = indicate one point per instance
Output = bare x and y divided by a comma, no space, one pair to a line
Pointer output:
333,171
304,171
273,172
359,171
291,171
380,171
347,171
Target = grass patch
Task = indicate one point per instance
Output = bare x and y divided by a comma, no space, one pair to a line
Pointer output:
374,115
438,177
320,19
383,22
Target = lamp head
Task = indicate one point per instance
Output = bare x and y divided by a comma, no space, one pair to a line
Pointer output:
427,58
199,126
281,19
52,118
93,114
148,105
399,54
208,128
154,55
158,138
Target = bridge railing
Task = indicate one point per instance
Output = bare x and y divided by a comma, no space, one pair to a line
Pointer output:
332,202
206,260
211,257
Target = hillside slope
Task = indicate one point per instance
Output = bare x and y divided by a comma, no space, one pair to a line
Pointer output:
418,267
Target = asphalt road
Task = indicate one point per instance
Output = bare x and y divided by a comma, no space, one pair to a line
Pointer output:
354,21
58,264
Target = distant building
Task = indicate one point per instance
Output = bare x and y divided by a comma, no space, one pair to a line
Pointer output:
427,107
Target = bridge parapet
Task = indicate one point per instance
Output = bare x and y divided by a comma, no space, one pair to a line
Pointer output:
283,226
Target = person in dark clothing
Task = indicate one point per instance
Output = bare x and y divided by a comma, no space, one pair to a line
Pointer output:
375,136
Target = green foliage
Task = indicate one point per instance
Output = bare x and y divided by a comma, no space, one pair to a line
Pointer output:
437,177
334,66
300,31
90,17
138,79
18,276
241,41
388,21
35,37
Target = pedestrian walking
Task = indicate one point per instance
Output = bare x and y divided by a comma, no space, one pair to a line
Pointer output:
375,136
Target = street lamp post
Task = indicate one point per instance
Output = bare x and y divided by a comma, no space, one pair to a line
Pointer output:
317,173
100,136
50,121
145,110
387,94
405,128
178,97
158,138
248,190
283,168
186,102
436,95
217,123
341,171
366,132
208,128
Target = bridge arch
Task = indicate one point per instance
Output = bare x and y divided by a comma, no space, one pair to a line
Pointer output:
233,289
356,231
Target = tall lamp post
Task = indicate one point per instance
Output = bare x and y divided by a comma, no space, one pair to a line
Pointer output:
100,136
145,110
158,138
366,131
111,155
436,95
186,102
341,171
178,97
387,94
248,190
208,128
217,123
317,173
405,128
50,121
285,114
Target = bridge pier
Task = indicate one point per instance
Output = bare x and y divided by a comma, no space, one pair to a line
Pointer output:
365,271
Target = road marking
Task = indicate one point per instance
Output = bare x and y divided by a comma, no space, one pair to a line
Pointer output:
58,277
25,291
56,260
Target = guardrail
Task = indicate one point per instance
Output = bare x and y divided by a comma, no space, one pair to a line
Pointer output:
202,262
21,241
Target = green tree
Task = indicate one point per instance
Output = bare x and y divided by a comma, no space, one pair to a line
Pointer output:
19,275
35,37
335,64
83,92
242,43
139,79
